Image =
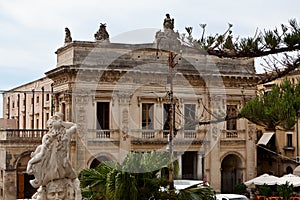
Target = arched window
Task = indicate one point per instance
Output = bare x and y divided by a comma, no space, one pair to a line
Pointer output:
289,170
97,161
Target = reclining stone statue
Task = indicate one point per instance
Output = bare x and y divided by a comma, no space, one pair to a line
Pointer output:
50,163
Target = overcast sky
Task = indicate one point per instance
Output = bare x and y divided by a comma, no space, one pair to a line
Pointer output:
32,30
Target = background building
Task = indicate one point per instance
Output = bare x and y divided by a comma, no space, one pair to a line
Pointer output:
278,150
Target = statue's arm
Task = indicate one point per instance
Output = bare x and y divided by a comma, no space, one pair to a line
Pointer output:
71,127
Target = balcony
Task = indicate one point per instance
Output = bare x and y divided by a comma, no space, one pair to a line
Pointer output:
22,134
103,134
233,135
161,136
289,148
107,134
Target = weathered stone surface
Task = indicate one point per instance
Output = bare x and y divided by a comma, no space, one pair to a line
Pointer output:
50,164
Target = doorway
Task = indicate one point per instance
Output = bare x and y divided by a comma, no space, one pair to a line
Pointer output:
231,173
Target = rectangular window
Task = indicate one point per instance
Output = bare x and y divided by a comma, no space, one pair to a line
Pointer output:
47,117
24,122
231,112
102,115
166,117
37,123
289,139
147,115
47,97
189,116
32,123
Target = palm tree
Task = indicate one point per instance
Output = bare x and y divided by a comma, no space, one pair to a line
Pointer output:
136,178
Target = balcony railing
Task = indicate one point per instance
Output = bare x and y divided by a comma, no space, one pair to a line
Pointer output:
106,134
22,134
103,133
190,134
233,135
147,134
163,134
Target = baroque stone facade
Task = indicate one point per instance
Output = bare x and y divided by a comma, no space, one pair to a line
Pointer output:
119,97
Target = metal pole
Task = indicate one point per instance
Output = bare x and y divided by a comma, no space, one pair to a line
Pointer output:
172,118
297,139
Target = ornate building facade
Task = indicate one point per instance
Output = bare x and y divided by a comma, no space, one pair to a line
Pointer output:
127,97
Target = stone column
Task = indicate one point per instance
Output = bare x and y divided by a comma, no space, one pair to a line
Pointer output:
10,183
179,158
124,124
200,166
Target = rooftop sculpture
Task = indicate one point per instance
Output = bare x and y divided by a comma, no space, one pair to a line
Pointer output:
102,34
168,22
168,39
68,37
54,176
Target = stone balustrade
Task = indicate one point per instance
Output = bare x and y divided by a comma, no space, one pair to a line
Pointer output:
233,135
22,134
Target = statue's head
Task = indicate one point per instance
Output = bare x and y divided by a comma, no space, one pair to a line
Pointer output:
103,25
58,115
168,15
57,190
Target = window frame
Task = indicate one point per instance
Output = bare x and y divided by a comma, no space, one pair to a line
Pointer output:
231,110
149,120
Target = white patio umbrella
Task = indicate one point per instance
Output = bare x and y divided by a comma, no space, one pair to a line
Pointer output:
263,179
291,179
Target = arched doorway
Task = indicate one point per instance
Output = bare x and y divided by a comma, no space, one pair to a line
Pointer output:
24,188
97,161
231,173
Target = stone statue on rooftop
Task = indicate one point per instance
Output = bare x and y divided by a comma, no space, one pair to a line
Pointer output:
50,163
102,34
168,22
68,37
168,39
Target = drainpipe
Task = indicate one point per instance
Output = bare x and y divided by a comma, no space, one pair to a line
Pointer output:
33,109
25,111
8,107
52,106
43,90
19,107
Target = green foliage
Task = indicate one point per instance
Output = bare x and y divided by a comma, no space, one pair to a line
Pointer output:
134,179
205,193
277,108
263,43
272,39
285,190
265,190
240,188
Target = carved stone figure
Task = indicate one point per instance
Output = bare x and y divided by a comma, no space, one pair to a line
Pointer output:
168,22
168,39
50,163
68,37
102,34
